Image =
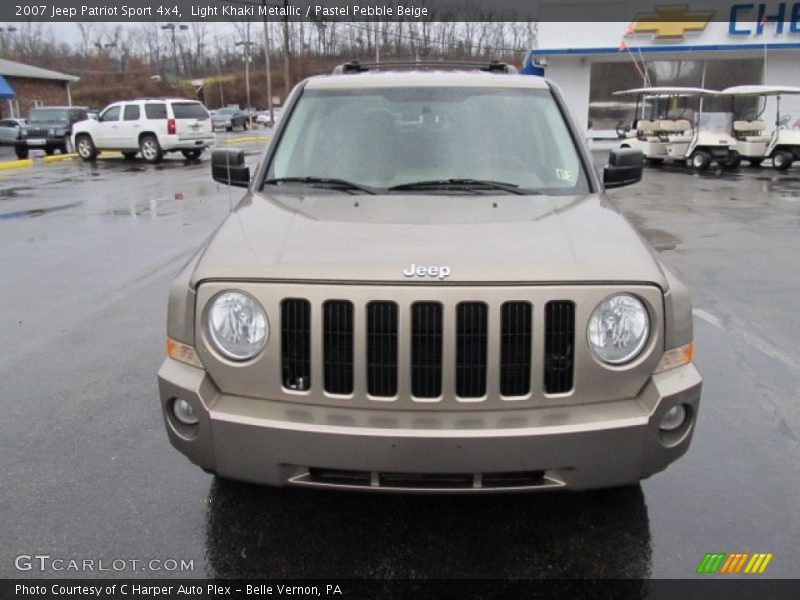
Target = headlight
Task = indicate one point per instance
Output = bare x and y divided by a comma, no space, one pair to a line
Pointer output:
618,329
237,325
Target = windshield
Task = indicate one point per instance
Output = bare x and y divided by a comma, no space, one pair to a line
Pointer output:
383,138
48,115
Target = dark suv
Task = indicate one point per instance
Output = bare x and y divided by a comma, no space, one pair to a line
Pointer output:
49,128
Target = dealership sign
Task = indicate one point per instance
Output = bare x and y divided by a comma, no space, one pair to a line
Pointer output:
754,19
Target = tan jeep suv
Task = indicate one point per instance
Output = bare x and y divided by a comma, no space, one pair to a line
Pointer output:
425,288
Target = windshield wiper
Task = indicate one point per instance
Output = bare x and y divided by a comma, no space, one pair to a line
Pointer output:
341,184
486,184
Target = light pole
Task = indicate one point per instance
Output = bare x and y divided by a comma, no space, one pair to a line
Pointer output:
269,66
246,44
172,27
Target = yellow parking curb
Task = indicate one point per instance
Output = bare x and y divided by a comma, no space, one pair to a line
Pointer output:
58,157
254,138
16,164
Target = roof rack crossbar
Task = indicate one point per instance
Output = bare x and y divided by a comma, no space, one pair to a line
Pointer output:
355,66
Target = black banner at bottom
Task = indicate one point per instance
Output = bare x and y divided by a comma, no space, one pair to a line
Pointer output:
236,589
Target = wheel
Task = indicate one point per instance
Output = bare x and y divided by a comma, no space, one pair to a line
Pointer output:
66,146
129,155
192,154
755,162
22,152
229,128
700,160
782,160
86,148
49,150
733,162
150,149
244,124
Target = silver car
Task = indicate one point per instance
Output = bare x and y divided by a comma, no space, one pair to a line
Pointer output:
426,288
9,131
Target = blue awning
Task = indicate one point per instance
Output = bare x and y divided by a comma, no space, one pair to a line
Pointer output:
5,89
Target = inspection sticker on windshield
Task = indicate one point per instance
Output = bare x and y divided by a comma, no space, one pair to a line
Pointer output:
565,175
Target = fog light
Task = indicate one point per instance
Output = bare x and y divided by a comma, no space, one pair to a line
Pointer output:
184,412
674,418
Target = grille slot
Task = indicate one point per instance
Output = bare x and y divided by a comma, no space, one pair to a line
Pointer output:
296,343
382,349
471,333
514,479
559,346
426,349
337,318
426,480
515,348
339,476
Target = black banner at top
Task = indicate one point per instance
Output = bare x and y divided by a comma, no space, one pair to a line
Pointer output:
321,11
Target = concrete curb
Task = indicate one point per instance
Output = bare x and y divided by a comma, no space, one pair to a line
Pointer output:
16,164
58,157
244,140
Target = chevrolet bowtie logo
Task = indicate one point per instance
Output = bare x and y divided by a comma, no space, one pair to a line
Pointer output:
670,22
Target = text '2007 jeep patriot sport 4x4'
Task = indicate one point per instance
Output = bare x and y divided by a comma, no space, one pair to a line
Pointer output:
426,289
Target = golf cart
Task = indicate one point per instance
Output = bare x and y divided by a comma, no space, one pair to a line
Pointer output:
753,144
667,127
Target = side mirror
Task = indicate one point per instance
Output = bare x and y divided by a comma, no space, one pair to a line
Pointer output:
227,166
625,166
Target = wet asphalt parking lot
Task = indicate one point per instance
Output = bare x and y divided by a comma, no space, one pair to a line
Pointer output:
86,256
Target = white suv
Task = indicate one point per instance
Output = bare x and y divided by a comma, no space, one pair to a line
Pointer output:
150,126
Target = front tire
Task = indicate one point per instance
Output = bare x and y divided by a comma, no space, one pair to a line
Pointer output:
22,152
49,151
700,160
66,146
86,148
782,160
150,149
192,154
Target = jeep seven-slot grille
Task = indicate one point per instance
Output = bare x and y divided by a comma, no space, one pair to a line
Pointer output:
296,343
559,346
426,349
382,349
471,334
337,316
466,344
515,348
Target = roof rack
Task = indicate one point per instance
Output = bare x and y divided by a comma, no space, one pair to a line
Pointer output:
355,66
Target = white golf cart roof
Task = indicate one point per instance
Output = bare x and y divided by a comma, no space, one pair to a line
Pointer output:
761,90
656,92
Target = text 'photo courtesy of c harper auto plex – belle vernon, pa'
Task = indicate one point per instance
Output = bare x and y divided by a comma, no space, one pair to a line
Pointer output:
426,299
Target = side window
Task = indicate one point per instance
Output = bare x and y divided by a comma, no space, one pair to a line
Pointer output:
5,124
155,111
110,114
131,112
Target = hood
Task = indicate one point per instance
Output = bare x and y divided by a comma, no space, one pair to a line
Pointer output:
479,238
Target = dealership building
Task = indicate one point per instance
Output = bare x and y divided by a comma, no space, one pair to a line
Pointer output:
713,45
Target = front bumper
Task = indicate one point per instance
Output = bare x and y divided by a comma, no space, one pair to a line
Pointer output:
576,447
